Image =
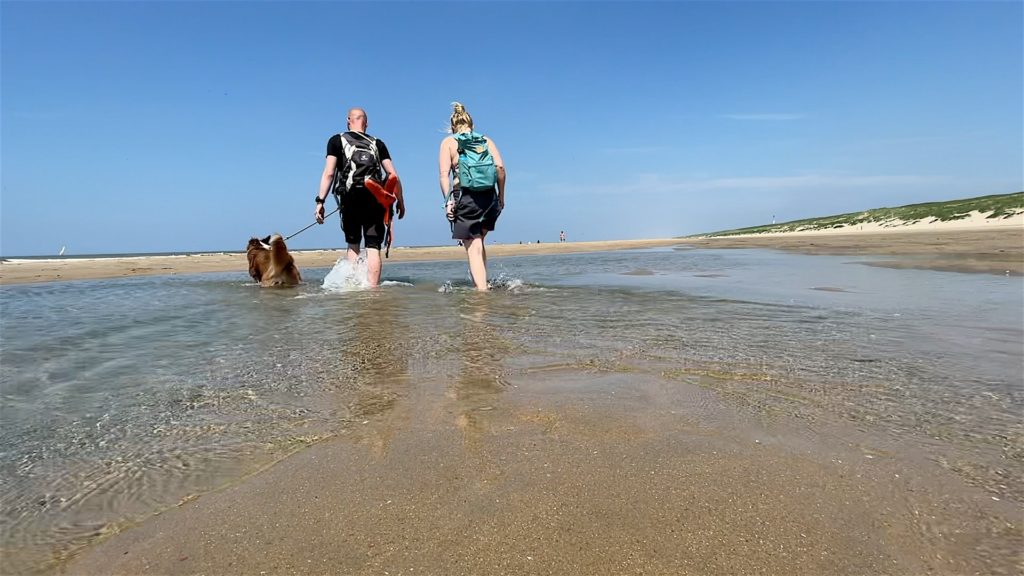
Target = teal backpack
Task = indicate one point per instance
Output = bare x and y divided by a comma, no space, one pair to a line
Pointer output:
476,165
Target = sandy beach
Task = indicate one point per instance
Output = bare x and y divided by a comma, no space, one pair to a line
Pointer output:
745,297
466,450
994,249
579,474
48,270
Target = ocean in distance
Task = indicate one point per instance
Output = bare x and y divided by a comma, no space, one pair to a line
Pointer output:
121,398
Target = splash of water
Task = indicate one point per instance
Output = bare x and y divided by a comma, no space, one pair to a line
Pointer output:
507,283
347,276
502,282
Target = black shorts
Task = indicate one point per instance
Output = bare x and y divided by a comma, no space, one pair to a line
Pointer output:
475,214
362,217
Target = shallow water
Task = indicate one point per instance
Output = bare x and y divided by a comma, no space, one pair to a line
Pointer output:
124,397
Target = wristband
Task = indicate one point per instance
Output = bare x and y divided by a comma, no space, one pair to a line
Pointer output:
319,200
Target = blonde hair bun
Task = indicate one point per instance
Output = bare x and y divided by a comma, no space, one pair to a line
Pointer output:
460,118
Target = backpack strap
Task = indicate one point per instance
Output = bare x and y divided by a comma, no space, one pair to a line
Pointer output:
338,167
368,138
349,143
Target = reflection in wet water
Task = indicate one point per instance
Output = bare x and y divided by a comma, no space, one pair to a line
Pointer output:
124,397
376,358
481,352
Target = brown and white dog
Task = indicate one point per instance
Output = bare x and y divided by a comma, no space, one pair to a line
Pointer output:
270,264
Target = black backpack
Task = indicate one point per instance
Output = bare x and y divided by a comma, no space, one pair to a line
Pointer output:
359,164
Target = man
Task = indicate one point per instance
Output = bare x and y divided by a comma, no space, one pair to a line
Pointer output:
352,158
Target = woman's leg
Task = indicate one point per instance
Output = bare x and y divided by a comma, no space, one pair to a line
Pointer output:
483,248
477,261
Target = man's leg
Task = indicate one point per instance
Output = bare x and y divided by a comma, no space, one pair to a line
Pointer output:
353,253
373,266
477,264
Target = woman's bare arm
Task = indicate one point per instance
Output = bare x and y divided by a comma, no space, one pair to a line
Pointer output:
499,164
445,161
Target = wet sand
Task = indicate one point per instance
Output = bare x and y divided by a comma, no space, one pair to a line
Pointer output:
570,471
995,251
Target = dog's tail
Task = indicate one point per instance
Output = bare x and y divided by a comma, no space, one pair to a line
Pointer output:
277,244
281,258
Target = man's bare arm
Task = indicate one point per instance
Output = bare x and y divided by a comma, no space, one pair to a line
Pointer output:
325,185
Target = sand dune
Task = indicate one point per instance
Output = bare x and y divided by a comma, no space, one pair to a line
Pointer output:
975,221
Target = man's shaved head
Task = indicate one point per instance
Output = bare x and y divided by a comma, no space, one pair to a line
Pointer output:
357,119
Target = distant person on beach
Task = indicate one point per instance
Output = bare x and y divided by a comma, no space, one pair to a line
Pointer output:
561,237
353,158
472,177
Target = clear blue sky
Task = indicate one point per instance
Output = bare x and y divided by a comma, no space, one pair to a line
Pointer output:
191,126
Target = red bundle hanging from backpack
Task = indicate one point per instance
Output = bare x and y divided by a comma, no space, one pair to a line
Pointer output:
386,196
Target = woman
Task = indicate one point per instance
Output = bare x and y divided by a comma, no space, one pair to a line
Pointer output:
472,207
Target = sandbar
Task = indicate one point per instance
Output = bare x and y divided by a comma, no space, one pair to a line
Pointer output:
993,250
21,271
996,249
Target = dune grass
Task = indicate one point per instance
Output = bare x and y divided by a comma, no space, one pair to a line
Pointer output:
996,207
